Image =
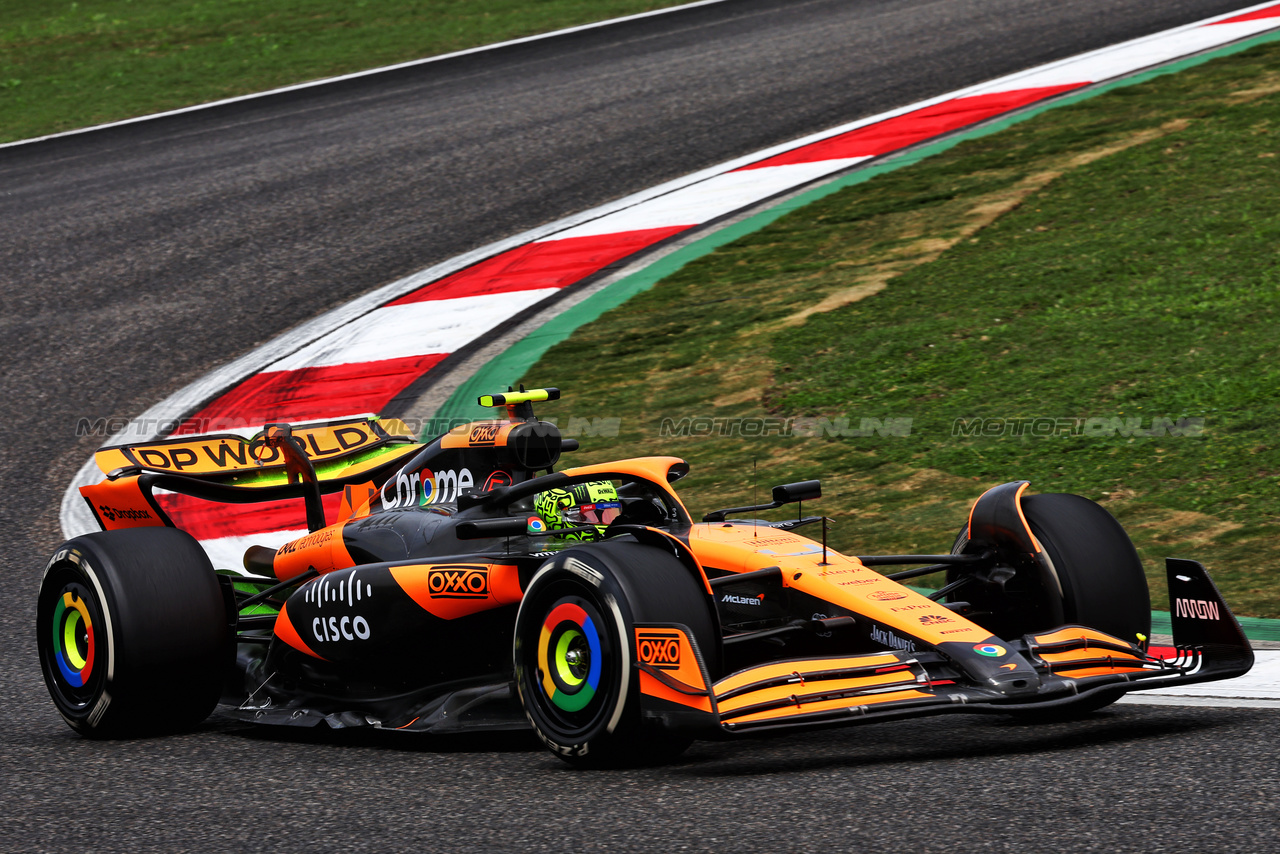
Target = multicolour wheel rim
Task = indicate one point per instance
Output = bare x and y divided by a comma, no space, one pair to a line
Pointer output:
569,657
73,637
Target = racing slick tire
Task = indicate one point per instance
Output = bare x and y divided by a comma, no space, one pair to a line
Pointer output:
575,656
132,632
1103,585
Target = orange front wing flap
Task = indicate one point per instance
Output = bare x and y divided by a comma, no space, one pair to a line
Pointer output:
780,672
779,690
1077,652
811,706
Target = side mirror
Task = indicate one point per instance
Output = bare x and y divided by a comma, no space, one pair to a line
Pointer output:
785,493
534,445
805,490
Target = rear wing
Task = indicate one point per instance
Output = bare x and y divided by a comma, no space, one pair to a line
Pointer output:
233,469
329,445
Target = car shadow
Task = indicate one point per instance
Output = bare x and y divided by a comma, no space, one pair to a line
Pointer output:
501,741
924,741
904,743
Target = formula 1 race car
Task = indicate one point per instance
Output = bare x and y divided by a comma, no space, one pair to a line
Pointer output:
466,585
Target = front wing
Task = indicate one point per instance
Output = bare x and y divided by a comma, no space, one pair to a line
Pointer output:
1072,663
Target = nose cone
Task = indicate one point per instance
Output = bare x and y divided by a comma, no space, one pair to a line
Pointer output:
996,665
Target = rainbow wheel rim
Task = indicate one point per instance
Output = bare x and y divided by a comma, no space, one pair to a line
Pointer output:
73,641
569,657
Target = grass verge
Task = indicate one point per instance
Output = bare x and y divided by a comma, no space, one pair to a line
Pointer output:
1085,300
66,65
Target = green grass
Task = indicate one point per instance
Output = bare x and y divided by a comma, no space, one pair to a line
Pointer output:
1115,259
66,65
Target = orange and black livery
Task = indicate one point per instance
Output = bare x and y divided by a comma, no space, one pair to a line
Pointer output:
449,592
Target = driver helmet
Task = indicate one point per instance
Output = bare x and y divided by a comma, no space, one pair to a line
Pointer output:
593,503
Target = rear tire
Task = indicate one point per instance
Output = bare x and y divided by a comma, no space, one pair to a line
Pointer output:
575,656
132,632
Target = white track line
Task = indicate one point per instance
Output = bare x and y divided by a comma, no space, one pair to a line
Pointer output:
416,329
709,199
326,81
1259,688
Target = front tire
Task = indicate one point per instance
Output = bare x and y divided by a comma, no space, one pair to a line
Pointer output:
1103,584
132,632
1096,581
1096,578
575,656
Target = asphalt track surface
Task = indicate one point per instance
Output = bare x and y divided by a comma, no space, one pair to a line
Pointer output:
135,259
